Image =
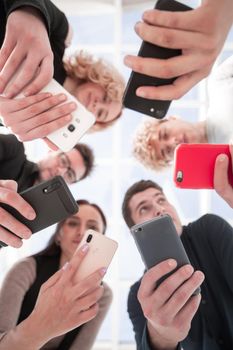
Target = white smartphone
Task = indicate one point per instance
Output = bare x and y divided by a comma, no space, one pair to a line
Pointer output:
68,136
100,254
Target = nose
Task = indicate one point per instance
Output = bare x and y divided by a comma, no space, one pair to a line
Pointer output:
158,210
60,171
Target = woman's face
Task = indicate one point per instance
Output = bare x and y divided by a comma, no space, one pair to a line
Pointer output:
93,97
73,229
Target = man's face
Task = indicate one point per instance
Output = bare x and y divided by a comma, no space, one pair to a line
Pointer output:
151,203
69,165
168,135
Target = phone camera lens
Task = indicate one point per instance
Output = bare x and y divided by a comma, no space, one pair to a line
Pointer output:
89,238
179,176
71,127
160,113
139,229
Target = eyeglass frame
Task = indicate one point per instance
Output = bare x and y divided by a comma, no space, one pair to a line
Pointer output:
67,167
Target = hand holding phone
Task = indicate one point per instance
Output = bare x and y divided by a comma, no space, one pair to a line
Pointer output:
153,108
194,165
100,254
68,136
51,200
157,240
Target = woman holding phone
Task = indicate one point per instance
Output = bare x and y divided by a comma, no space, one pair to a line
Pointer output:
25,279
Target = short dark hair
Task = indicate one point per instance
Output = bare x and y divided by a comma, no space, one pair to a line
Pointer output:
87,156
139,186
53,248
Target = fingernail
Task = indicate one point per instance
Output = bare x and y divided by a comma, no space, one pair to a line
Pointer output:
31,215
7,94
47,94
188,269
68,117
222,157
171,262
73,105
64,267
62,97
146,14
103,271
127,61
140,93
137,26
85,248
26,234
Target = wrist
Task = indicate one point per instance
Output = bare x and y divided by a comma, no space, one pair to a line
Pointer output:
158,342
33,331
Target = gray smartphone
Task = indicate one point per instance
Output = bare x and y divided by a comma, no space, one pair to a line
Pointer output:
152,108
52,202
157,240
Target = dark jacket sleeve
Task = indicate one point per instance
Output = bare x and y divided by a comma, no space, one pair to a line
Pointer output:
12,157
220,237
55,20
139,321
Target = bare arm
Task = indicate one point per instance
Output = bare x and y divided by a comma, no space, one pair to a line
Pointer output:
29,49
170,308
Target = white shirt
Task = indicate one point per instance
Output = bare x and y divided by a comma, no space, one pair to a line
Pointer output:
219,121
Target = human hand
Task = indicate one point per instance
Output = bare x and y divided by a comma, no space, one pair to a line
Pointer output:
28,49
9,195
200,34
221,182
170,307
36,116
62,304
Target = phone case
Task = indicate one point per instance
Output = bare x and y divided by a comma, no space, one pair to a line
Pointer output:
157,240
194,165
68,136
152,108
100,254
52,202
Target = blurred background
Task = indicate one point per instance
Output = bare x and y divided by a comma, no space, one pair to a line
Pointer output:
106,28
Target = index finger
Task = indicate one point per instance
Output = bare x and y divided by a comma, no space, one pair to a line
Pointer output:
13,199
42,78
221,181
191,20
153,275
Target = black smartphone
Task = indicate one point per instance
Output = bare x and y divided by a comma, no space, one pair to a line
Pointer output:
157,240
153,108
52,202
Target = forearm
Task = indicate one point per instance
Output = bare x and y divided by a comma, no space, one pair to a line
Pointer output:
26,336
159,343
47,10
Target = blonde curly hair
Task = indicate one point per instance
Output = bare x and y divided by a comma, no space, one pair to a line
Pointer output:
85,67
142,151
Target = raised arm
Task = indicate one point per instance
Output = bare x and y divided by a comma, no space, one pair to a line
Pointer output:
200,34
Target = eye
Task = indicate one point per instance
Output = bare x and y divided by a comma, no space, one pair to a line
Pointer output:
73,223
161,200
144,209
94,227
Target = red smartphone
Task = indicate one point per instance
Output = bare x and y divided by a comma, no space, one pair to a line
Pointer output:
194,165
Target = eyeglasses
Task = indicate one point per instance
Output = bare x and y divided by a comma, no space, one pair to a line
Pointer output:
64,162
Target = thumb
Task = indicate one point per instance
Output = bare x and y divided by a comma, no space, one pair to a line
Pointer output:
10,184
